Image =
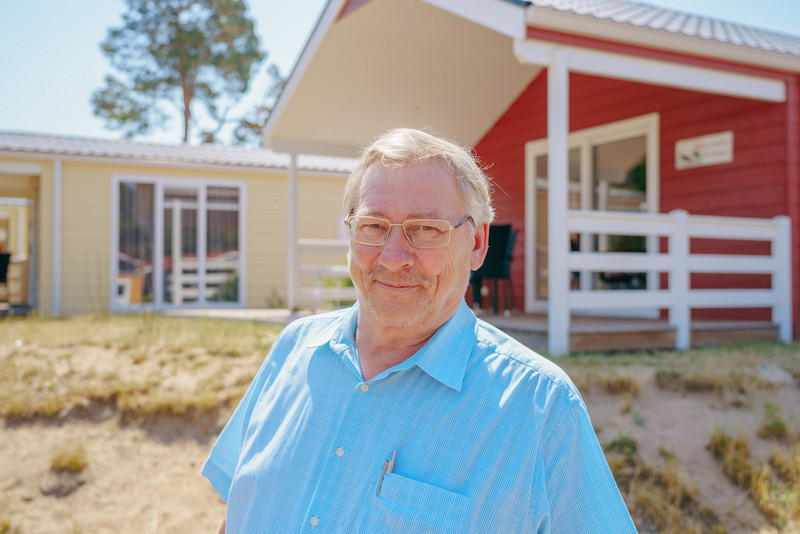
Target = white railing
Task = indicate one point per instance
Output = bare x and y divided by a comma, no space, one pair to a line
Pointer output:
184,279
329,277
679,263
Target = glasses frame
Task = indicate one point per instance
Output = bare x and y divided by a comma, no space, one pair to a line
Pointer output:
405,232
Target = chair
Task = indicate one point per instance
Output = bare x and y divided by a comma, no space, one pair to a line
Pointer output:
5,259
497,267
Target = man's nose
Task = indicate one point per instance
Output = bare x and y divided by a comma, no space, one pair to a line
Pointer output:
397,252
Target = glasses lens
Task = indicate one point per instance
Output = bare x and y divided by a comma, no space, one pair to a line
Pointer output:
427,233
368,230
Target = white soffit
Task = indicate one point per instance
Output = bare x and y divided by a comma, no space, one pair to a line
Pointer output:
399,63
499,15
655,72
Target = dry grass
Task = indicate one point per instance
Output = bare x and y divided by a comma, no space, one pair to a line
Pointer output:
51,368
657,497
180,367
71,458
773,427
772,486
8,527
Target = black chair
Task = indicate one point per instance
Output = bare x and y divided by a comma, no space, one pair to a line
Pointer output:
5,259
497,267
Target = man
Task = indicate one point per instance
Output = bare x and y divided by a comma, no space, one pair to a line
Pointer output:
405,413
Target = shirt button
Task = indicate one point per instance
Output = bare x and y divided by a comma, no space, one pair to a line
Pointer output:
364,387
340,452
314,521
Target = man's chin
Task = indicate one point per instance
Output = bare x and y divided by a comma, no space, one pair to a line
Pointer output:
399,314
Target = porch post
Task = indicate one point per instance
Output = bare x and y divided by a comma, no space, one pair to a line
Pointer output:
291,223
56,304
679,283
782,280
558,316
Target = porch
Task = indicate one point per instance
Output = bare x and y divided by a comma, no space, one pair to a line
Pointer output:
587,334
598,334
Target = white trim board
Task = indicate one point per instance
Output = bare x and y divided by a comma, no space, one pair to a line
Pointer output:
652,71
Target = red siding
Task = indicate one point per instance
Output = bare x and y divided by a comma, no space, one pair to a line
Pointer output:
755,184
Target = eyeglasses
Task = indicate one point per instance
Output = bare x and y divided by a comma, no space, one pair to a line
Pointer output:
421,233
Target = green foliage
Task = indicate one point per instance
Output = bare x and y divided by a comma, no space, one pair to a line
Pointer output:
181,52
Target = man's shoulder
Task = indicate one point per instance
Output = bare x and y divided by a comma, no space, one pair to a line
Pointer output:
509,354
317,328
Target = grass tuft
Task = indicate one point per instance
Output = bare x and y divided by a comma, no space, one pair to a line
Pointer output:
69,458
773,427
621,385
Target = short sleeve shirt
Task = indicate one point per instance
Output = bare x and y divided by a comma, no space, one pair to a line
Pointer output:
488,437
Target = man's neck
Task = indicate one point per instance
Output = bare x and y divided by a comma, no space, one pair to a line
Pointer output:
382,347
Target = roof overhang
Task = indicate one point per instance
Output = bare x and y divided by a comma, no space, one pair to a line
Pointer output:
454,66
568,22
401,63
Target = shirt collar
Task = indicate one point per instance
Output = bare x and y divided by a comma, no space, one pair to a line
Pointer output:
444,357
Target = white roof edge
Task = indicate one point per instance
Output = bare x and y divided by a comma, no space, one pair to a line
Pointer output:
51,156
592,27
499,15
318,149
324,23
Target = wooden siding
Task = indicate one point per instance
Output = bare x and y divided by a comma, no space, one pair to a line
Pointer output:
753,185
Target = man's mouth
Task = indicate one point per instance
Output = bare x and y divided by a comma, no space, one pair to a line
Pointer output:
395,286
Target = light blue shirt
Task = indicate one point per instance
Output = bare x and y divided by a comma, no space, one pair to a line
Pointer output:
489,438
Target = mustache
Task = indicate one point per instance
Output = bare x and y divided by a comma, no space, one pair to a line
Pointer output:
380,274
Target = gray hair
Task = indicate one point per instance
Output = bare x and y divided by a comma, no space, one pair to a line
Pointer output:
399,147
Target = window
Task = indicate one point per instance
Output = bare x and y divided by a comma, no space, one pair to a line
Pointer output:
177,243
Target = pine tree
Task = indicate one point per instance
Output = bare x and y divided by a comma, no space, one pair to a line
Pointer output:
183,52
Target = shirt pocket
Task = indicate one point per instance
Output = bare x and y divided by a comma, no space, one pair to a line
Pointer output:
405,505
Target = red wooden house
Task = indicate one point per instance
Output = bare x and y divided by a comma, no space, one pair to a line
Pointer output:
648,159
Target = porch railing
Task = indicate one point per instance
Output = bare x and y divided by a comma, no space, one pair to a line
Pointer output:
679,263
324,274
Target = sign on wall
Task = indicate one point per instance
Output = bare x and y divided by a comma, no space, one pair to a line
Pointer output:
712,149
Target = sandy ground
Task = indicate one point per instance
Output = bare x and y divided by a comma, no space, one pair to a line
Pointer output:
143,477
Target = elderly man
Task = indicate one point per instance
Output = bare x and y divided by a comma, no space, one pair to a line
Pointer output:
405,413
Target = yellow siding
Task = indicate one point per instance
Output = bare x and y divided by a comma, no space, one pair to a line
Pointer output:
266,241
85,237
321,213
86,223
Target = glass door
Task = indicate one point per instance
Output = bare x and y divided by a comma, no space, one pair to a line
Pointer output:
608,171
181,262
177,243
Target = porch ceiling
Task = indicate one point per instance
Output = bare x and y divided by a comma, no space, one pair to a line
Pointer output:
399,63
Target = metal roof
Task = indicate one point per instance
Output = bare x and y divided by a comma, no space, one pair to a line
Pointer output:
675,22
138,152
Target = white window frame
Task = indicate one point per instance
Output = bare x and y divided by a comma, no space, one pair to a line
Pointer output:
643,126
160,183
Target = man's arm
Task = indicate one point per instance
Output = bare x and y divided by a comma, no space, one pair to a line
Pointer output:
222,527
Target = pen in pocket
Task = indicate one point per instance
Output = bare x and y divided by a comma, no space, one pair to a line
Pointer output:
388,466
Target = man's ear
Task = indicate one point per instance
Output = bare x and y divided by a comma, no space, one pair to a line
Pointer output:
480,246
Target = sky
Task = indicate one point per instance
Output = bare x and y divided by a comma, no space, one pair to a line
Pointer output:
51,63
